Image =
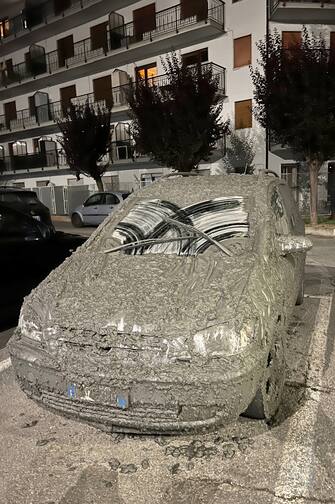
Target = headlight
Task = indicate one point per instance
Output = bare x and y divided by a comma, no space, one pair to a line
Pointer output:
30,329
35,320
223,340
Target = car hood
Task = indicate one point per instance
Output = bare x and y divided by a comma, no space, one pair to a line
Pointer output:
151,294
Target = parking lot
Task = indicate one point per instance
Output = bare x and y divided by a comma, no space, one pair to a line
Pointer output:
48,459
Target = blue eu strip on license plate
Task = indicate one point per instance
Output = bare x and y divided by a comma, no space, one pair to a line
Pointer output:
122,401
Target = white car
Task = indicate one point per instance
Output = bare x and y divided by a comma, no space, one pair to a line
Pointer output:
96,208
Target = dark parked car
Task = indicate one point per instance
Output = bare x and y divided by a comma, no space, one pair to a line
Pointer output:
26,203
96,208
174,316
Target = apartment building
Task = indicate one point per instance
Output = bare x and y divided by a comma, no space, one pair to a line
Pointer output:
54,52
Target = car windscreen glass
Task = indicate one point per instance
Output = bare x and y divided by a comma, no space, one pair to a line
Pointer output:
166,228
29,197
125,195
19,197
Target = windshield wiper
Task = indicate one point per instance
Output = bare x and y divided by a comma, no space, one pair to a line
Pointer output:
148,241
188,227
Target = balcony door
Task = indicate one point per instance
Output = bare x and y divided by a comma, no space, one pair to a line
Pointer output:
144,20
102,89
146,73
191,8
66,94
65,49
10,112
99,36
195,57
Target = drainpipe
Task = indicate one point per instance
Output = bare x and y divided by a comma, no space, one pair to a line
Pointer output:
267,135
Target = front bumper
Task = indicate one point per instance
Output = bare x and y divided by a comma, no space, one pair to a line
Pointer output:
159,404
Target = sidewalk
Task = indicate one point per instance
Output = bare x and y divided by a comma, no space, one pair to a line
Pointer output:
321,230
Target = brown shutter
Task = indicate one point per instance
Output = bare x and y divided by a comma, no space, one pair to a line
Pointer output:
99,36
242,51
65,49
243,114
10,112
61,5
190,8
144,20
66,93
102,89
32,107
291,39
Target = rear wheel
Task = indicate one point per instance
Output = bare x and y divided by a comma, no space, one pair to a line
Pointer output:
76,220
300,298
268,396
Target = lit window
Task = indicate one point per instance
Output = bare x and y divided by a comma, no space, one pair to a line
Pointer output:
4,27
147,73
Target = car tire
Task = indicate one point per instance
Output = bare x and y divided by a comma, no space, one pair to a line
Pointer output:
266,402
76,220
300,298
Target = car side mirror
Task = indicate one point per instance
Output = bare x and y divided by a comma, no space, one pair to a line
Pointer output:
290,244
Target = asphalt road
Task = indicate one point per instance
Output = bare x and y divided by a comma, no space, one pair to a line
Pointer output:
47,459
66,227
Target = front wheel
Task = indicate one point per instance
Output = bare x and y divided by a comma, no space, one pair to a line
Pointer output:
268,396
76,220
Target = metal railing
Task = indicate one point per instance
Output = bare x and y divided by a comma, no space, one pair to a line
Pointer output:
41,14
274,4
167,21
55,111
32,161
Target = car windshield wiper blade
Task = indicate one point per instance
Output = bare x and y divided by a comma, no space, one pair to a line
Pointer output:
148,241
188,227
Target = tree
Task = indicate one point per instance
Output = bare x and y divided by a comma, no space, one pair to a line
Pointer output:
177,120
239,154
295,98
86,139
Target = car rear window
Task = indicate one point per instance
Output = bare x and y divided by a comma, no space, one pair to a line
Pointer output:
19,197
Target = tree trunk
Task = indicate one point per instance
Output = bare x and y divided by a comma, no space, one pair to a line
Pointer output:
314,168
100,184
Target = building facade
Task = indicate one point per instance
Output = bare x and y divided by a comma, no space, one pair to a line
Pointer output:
54,52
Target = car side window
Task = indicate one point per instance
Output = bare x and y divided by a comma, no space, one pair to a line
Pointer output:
111,199
96,199
282,226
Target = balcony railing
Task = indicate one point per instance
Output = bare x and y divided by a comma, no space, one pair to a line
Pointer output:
303,11
49,159
55,111
41,14
167,21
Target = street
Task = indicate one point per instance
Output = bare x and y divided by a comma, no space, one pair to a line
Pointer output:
48,459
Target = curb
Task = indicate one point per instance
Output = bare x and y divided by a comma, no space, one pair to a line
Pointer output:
60,218
309,230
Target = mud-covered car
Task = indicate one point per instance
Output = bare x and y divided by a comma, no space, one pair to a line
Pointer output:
173,315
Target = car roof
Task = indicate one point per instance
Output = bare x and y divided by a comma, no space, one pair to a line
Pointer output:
187,190
15,189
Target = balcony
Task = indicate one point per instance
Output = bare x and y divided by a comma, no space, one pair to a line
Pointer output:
33,162
303,11
51,112
44,20
123,45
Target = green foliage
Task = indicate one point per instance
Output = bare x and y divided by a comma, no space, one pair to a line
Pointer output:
240,154
177,120
86,139
295,95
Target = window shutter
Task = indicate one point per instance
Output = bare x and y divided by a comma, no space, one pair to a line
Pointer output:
243,114
291,39
242,51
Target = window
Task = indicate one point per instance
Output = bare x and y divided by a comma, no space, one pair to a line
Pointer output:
66,95
111,199
149,178
144,20
96,199
243,114
61,6
42,183
10,112
191,8
65,49
4,27
146,72
74,182
195,57
291,39
278,209
18,148
102,88
99,36
242,51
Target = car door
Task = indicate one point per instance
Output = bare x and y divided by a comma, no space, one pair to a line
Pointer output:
91,209
109,202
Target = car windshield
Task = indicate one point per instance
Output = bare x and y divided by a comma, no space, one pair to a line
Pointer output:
161,227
